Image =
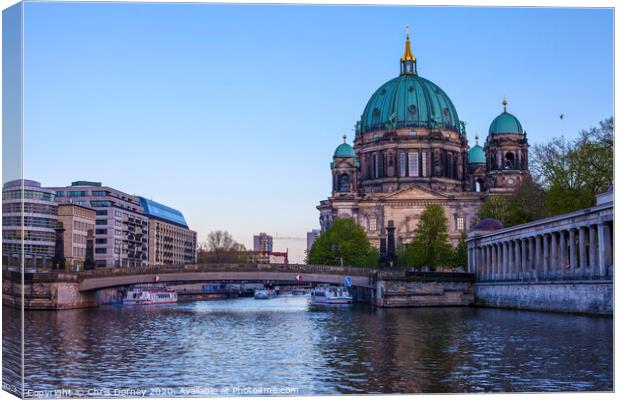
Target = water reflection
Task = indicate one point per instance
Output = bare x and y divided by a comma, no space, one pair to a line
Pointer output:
283,343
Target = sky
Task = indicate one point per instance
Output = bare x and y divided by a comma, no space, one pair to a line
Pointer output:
231,113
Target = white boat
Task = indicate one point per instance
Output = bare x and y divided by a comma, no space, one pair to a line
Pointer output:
299,292
328,295
150,295
264,294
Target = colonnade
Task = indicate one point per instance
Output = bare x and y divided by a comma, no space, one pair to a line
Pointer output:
574,246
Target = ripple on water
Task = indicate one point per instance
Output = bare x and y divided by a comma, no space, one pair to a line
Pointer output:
282,342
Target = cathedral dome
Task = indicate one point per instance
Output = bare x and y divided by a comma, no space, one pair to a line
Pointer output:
409,101
476,155
344,150
505,123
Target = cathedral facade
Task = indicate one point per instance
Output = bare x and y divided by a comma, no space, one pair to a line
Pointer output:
410,150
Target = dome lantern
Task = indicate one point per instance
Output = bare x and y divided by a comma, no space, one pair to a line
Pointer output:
408,62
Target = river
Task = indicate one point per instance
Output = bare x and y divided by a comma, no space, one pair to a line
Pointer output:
281,346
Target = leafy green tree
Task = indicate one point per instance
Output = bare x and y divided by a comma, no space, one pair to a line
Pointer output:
459,259
344,243
574,172
525,204
429,246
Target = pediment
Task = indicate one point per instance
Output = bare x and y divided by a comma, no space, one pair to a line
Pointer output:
416,193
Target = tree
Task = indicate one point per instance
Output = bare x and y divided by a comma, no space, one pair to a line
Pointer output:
525,204
459,259
346,243
429,246
574,172
221,248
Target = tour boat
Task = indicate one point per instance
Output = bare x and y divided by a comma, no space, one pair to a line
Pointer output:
150,295
264,294
330,296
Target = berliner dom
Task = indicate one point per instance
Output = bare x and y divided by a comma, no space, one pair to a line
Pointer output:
410,149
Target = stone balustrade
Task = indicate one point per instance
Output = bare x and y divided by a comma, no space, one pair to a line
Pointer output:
574,246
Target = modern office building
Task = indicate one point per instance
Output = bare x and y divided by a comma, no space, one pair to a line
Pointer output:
170,239
78,225
29,222
263,243
121,228
311,237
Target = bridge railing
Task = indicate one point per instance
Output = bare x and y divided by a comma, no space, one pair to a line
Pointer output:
163,269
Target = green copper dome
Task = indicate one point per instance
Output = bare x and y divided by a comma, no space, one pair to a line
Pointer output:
505,123
409,101
476,155
344,151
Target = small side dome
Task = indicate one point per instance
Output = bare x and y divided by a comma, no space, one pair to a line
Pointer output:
344,150
476,154
505,123
488,224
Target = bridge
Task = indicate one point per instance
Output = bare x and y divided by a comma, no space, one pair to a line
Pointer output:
273,273
55,290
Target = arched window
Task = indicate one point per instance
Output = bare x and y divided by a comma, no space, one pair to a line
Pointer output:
479,185
510,161
344,184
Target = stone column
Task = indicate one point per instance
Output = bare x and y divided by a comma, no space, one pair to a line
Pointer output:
493,262
545,260
583,259
572,251
592,250
487,262
505,260
523,259
603,242
537,257
516,272
562,257
531,248
553,264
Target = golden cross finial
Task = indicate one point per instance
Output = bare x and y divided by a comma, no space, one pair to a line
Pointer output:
476,138
344,137
407,29
504,103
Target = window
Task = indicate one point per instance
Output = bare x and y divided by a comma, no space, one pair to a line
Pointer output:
402,164
99,203
101,212
460,223
413,164
423,163
372,223
101,222
101,231
99,193
510,161
60,193
117,223
78,193
118,213
344,184
375,166
101,250
101,241
118,233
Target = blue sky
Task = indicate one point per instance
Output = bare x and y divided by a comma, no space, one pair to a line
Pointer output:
231,113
